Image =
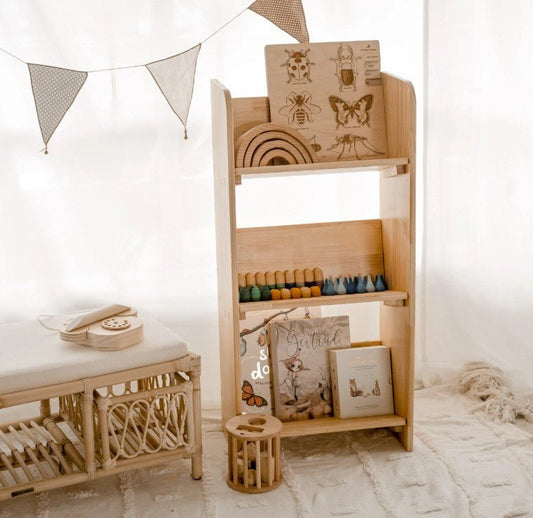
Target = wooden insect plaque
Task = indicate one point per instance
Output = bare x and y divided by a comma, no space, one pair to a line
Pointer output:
332,94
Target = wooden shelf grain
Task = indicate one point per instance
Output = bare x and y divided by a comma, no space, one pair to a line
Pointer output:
333,424
388,296
399,164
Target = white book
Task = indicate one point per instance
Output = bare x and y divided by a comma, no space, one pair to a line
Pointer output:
361,381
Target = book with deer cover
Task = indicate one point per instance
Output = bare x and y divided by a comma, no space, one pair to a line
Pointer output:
300,365
361,381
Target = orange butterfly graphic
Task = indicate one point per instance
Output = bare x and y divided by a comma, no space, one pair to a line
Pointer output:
251,398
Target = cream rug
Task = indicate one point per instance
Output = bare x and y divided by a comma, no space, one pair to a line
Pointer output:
463,465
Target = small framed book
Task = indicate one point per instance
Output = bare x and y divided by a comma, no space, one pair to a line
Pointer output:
361,381
300,364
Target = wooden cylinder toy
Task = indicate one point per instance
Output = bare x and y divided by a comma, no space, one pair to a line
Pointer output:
241,280
280,280
319,277
299,278
289,279
270,279
254,453
309,277
250,279
260,279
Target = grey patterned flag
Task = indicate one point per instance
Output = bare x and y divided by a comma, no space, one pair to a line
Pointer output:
175,78
288,15
54,91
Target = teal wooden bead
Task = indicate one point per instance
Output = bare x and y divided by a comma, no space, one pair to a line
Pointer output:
349,285
369,284
255,293
245,294
265,292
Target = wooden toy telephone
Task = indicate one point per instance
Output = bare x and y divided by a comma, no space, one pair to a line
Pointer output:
107,329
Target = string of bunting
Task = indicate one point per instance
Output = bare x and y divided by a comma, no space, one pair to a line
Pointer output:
55,89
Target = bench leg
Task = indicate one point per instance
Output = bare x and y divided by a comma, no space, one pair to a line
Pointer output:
196,458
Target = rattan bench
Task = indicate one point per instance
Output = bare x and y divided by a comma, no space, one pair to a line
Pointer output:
106,423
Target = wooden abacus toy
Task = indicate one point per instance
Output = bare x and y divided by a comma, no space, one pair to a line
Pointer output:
254,452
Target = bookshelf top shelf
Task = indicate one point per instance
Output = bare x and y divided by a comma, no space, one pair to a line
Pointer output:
394,165
391,297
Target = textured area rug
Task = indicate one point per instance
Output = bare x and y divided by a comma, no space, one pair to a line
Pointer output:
463,465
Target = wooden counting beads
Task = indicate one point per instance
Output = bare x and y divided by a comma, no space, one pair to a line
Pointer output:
250,279
285,293
270,279
275,294
315,291
280,280
309,277
306,292
295,293
299,278
289,279
260,279
319,277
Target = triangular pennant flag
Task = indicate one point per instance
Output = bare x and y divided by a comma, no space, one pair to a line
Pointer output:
175,78
288,15
54,91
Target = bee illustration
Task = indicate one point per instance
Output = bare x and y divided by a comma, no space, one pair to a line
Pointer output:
299,109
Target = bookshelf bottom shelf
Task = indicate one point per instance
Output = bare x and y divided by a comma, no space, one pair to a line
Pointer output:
333,424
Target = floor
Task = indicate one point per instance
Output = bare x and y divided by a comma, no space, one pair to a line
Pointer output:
463,465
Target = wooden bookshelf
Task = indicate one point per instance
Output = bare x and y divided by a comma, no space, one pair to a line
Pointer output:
384,245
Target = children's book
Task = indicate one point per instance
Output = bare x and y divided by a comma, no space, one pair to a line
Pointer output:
300,365
361,381
256,378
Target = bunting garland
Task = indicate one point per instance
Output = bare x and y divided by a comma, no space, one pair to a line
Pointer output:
55,89
288,15
175,78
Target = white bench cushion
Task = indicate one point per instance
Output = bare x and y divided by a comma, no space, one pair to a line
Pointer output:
32,356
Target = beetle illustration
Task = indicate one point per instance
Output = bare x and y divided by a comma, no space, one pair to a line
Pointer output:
346,68
299,109
298,66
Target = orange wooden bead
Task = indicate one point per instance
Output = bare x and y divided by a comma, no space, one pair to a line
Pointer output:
275,294
295,293
285,293
306,292
315,291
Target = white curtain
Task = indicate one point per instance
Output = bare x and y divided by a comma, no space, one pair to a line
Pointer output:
478,244
121,209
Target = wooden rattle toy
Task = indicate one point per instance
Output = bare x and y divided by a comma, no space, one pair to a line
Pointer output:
108,329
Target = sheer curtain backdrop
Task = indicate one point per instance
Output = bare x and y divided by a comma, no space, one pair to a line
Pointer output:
478,247
121,209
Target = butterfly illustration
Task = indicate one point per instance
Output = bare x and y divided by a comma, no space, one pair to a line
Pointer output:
251,398
345,110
